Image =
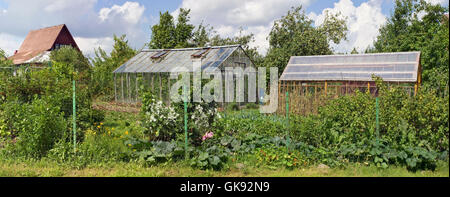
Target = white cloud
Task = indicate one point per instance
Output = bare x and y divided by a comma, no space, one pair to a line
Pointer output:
363,23
254,16
80,16
442,2
131,12
261,33
9,43
88,45
24,15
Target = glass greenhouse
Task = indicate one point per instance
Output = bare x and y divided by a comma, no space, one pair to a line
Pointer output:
151,68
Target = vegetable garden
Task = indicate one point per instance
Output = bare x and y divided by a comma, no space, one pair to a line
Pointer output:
36,123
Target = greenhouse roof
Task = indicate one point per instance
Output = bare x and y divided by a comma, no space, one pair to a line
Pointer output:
394,67
170,60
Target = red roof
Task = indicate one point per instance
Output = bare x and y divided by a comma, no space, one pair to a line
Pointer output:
41,40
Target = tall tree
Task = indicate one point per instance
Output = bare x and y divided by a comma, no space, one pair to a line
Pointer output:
71,57
167,35
163,34
294,35
416,25
202,35
183,30
103,79
122,51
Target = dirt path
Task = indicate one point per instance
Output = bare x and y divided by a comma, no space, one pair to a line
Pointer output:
118,107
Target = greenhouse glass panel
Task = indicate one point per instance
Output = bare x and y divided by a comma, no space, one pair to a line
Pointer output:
397,67
171,59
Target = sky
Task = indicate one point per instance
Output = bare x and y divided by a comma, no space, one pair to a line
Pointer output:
94,22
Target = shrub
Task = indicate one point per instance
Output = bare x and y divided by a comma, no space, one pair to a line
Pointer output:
163,122
244,123
98,147
413,130
50,85
38,126
202,118
404,121
103,148
160,122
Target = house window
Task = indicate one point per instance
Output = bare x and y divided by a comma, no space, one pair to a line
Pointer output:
58,46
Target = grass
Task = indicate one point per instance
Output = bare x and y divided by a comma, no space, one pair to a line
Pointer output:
46,168
122,122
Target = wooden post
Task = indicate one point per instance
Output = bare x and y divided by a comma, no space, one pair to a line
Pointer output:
121,82
346,85
115,88
128,88
415,89
137,88
368,87
326,86
279,95
315,91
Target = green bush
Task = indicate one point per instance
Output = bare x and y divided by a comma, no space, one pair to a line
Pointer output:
36,126
414,127
98,147
165,123
243,123
404,121
160,122
102,81
103,148
50,85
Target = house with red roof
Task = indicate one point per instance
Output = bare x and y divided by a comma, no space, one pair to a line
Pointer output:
38,44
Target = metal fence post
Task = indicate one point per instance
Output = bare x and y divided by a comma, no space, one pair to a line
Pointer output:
377,119
74,114
287,121
186,156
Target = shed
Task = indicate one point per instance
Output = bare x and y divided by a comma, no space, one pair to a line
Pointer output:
311,79
150,68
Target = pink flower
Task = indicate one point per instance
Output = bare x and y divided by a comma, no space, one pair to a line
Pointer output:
207,135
